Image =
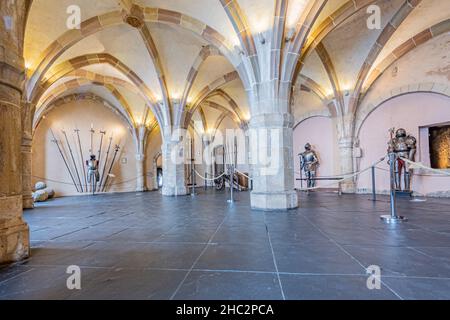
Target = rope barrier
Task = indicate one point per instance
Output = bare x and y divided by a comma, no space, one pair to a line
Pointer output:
420,175
344,177
209,179
85,185
415,165
418,165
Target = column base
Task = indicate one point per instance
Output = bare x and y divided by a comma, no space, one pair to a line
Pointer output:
174,191
348,188
274,201
14,242
143,189
28,202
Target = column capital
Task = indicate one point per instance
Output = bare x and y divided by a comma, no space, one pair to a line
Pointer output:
268,120
12,68
140,156
346,142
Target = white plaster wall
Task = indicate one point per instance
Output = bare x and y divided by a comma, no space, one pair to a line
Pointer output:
411,112
47,162
319,131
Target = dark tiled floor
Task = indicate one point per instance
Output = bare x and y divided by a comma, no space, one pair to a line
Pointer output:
145,246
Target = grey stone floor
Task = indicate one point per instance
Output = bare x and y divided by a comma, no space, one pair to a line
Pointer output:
145,246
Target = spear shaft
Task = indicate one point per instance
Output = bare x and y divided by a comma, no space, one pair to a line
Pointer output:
64,159
82,158
92,139
110,168
73,160
104,165
101,145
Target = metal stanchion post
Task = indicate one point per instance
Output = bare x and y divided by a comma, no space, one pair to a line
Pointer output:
374,192
193,178
231,172
393,217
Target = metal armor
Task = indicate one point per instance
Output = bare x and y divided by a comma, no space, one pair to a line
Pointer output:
404,146
92,166
309,163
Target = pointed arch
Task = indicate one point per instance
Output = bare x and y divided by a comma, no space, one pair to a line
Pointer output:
407,7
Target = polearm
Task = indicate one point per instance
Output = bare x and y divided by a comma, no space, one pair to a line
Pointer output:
73,160
92,139
104,165
64,159
77,131
101,144
301,170
102,134
110,168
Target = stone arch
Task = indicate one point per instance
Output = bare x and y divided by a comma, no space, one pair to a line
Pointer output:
76,83
406,47
89,96
364,112
318,114
219,121
71,65
107,20
347,10
204,54
206,91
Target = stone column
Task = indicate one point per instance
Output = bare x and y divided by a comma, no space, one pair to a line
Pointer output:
27,185
346,163
141,185
174,180
272,161
141,142
27,142
14,232
207,158
155,174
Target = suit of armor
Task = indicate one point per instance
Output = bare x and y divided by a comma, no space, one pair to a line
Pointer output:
404,146
309,163
92,166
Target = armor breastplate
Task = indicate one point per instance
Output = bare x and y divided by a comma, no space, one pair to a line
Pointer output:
401,148
309,157
92,165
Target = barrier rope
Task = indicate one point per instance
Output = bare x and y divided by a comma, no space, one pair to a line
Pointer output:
415,165
209,179
85,185
344,177
418,165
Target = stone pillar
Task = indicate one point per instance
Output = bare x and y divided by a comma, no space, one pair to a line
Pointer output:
27,185
272,161
346,163
27,142
155,174
174,180
207,158
14,232
141,184
142,133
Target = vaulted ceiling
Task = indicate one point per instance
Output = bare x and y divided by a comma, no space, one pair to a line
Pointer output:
171,57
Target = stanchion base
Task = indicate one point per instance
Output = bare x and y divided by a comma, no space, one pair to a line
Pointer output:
392,220
231,201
